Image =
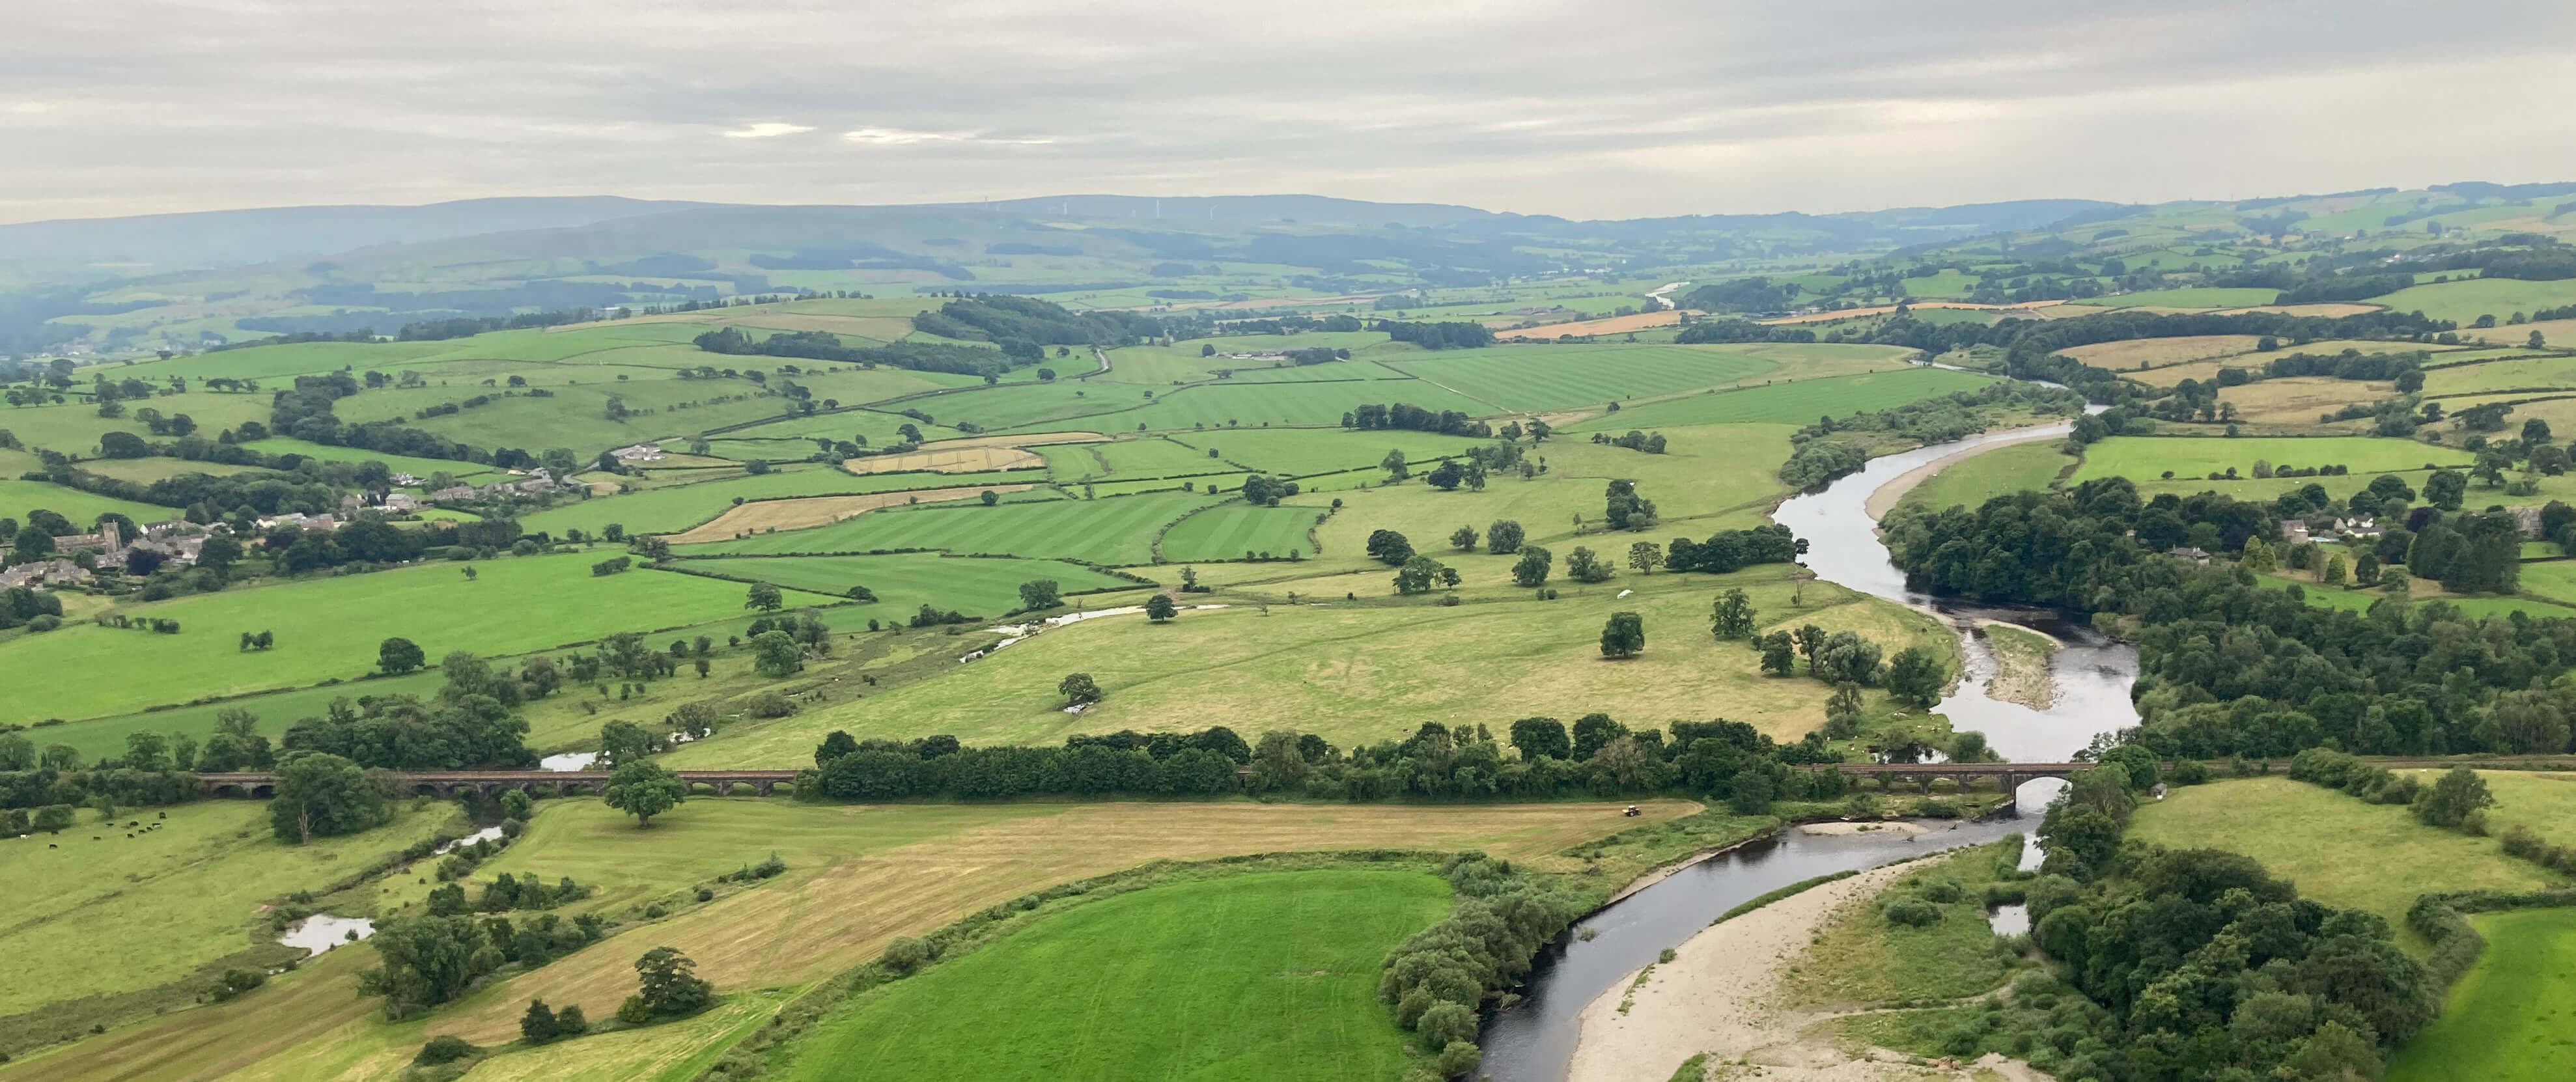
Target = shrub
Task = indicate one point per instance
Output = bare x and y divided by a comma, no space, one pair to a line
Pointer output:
2190,772
442,1050
906,955
1445,1023
1940,890
1911,913
769,704
1459,1058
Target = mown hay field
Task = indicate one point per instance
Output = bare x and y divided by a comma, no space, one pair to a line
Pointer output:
806,512
2146,458
948,460
1800,402
1109,530
1229,530
903,582
1537,378
677,508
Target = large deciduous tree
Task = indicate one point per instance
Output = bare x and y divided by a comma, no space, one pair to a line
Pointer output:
643,788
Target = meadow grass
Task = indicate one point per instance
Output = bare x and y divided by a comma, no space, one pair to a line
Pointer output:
1110,530
677,508
2188,297
120,914
1799,402
2338,849
1360,672
2506,1018
330,628
2463,302
903,582
74,427
2521,373
1227,405
104,737
2146,458
576,417
1862,958
1262,976
1535,378
1229,530
82,508
144,471
2005,470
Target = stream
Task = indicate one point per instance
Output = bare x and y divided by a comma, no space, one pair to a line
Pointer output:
1534,1040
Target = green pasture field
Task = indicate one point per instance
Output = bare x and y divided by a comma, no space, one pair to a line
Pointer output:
2005,470
1214,482
852,385
675,509
74,427
1053,406
1229,530
1264,976
82,508
121,914
903,582
1359,369
144,471
418,467
791,437
1708,470
1535,378
2145,458
2338,849
2554,580
2493,377
330,628
1375,669
1109,530
1125,459
1181,360
1947,285
1796,403
1122,408
105,737
576,417
1306,452
282,362
2193,297
2328,597
2463,302
2506,1018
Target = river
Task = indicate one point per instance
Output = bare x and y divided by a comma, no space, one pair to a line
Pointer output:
1534,1040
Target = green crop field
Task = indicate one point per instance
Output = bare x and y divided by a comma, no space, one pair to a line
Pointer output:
1229,530
903,582
107,913
1800,402
2002,471
2338,849
82,508
329,628
1266,976
2506,1018
2146,458
2464,301
1109,530
675,509
1534,378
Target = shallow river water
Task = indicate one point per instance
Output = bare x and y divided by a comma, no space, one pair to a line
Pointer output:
1534,1040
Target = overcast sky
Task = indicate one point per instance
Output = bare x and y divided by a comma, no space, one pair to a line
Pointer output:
1536,106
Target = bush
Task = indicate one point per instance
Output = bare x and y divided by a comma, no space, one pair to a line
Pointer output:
442,1050
769,704
1911,913
2189,772
1446,1023
906,955
1940,890
1459,1058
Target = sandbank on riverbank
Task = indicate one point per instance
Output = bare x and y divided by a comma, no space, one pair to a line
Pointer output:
1719,995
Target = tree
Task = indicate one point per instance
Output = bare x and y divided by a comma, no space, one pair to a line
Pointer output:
1779,655
777,654
1582,565
1463,539
1915,676
2257,556
1623,636
2334,572
1810,639
643,788
1503,537
537,1024
667,984
1592,732
1645,557
764,597
2451,800
323,794
1446,476
33,543
1078,688
622,742
397,656
1418,576
1846,656
428,961
1159,608
2445,488
1532,568
1541,738
1040,594
1389,547
1394,465
1732,616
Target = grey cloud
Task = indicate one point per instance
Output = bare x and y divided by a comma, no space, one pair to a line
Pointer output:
1653,107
